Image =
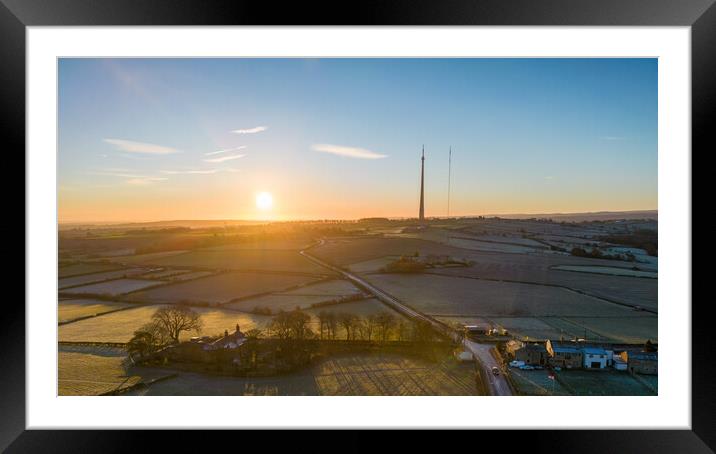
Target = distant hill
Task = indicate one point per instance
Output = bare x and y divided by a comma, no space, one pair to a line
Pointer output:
198,223
594,216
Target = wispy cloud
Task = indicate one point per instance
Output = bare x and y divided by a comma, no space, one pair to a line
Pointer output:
225,158
198,171
250,130
141,147
189,172
144,181
349,152
131,178
225,151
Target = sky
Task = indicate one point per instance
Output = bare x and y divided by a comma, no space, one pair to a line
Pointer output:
289,139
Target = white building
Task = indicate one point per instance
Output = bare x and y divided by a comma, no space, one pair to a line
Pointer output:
595,358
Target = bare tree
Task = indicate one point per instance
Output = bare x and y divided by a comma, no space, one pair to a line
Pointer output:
172,320
369,326
348,322
332,324
292,325
146,340
299,322
322,323
386,322
281,325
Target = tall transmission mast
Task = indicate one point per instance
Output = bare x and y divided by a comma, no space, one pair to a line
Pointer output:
421,215
449,175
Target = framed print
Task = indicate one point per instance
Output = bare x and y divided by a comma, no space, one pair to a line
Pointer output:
416,216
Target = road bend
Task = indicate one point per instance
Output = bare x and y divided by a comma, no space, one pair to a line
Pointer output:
497,384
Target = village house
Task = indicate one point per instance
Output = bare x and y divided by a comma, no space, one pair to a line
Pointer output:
532,354
641,362
563,354
228,341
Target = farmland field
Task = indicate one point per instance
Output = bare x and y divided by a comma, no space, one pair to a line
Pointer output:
442,295
97,277
76,308
120,326
332,288
277,302
241,259
87,371
164,273
621,329
602,383
221,288
355,375
612,270
113,288
84,268
361,308
536,383
372,265
145,258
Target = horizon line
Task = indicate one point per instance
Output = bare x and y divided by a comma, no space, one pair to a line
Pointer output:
396,218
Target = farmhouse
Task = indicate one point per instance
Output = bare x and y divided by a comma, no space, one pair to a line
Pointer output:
229,341
481,329
562,354
641,362
532,354
619,363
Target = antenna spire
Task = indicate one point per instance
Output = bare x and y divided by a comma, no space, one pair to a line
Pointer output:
421,215
449,175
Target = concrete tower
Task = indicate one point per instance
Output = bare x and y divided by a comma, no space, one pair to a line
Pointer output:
422,187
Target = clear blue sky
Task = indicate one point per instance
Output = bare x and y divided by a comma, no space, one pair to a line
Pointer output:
151,139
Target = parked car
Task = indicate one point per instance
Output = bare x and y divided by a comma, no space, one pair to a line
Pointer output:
495,371
516,363
527,367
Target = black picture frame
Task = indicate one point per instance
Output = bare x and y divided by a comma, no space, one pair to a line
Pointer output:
700,15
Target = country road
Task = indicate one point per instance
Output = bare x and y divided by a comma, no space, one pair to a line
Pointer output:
497,385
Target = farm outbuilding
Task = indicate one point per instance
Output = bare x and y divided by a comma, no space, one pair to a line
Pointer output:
564,354
532,354
642,362
595,358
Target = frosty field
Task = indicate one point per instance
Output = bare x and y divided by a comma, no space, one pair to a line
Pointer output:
120,326
612,270
240,259
84,268
442,295
220,288
354,375
96,277
113,288
76,308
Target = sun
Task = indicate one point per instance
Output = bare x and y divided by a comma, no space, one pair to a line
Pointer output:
264,201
